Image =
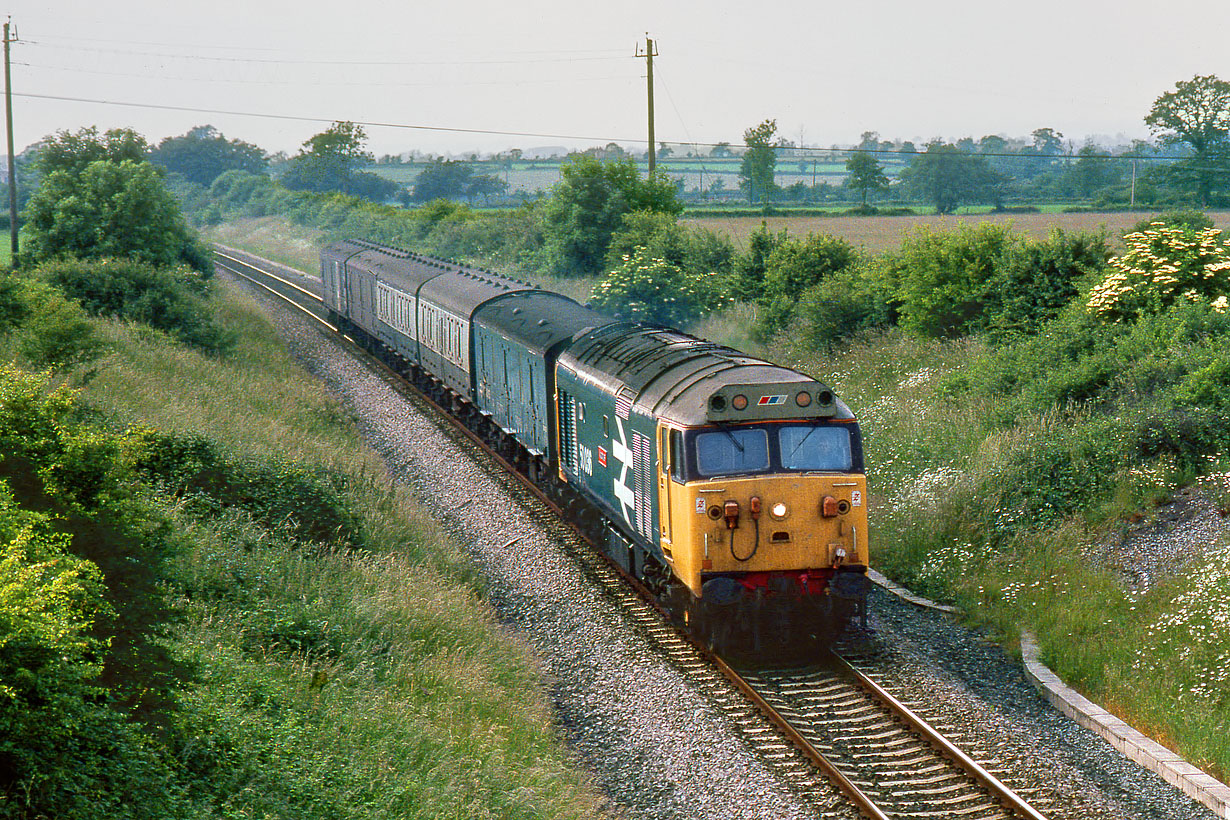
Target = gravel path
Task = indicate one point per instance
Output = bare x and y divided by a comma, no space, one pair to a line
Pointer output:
649,739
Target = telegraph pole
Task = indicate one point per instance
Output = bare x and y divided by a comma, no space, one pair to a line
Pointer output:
649,54
8,118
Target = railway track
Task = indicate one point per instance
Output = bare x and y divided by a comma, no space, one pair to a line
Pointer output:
831,724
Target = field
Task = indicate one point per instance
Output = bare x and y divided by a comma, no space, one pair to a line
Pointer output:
530,176
882,233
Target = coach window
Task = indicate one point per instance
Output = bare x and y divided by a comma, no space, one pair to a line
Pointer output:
606,427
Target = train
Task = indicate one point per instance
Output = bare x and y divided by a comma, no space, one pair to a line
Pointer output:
732,488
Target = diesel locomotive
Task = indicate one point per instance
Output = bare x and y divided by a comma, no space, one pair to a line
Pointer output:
731,487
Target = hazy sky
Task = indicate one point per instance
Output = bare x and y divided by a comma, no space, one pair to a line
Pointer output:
564,71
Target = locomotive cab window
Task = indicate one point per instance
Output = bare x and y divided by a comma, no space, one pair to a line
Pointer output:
814,447
677,460
730,452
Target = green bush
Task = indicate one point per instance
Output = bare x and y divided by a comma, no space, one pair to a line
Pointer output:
587,207
73,669
172,300
845,304
1034,281
646,289
793,267
110,209
946,277
750,269
55,332
310,505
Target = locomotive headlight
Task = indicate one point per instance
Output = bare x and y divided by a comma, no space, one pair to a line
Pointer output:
778,510
739,402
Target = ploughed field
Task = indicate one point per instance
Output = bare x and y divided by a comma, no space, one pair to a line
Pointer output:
883,233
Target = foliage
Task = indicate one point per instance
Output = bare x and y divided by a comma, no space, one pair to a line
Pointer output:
1161,266
306,504
110,209
73,153
645,289
948,177
748,281
695,250
587,206
330,161
756,167
442,179
1035,280
1197,113
203,154
1191,220
946,277
52,331
75,667
841,306
794,266
449,179
865,174
168,299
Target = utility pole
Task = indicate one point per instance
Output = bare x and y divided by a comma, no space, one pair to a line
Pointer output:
649,54
8,118
1132,204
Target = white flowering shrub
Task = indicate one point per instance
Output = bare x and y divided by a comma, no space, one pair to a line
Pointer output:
647,289
1162,265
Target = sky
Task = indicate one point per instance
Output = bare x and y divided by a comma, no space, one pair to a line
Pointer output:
442,76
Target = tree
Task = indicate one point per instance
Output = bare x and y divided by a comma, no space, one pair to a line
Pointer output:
442,179
1093,171
110,209
486,186
1048,142
203,154
756,170
1197,113
330,161
588,204
73,152
865,174
722,149
949,177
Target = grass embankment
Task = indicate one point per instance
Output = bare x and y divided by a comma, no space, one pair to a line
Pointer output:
340,660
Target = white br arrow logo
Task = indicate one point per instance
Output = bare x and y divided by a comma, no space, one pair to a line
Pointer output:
621,453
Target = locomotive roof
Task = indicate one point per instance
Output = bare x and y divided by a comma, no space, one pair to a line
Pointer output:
693,382
539,319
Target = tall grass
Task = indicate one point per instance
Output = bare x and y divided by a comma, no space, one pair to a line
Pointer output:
333,682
